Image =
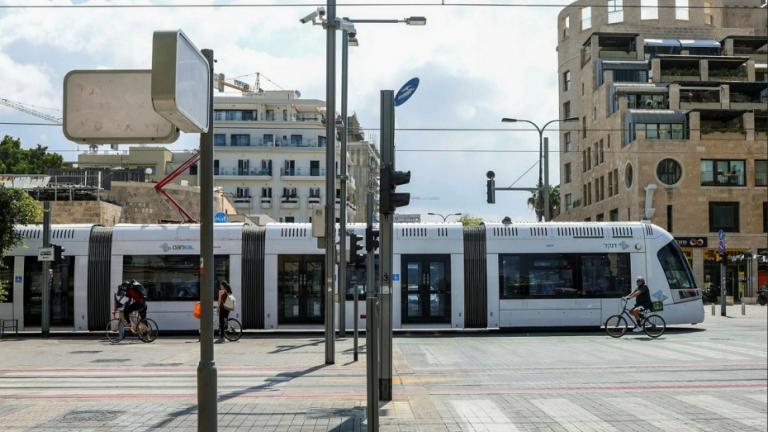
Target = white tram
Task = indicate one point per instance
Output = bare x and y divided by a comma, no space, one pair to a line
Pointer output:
445,275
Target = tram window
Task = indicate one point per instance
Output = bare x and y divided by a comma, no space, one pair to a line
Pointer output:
675,267
172,277
6,278
533,276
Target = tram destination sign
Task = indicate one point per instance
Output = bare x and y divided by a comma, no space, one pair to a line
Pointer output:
692,242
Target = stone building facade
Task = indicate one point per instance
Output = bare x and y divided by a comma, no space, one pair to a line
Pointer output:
672,101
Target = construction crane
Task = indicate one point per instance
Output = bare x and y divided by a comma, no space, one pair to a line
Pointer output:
18,106
241,85
188,218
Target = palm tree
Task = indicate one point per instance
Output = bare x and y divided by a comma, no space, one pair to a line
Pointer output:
538,204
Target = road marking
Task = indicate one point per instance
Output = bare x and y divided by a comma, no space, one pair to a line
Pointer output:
655,415
482,415
740,350
654,351
706,352
572,417
728,410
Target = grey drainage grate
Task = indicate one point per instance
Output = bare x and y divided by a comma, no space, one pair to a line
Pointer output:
89,416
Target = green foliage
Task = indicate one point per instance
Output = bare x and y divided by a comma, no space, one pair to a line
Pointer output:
554,203
15,160
468,220
18,208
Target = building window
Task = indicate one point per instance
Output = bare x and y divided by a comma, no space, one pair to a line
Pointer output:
566,80
761,173
596,156
584,194
243,192
602,188
589,158
568,201
567,173
589,192
724,216
602,151
586,17
708,19
610,184
269,140
722,173
681,10
659,131
215,167
266,192
6,277
219,140
321,141
616,181
566,109
600,217
669,171
240,140
296,141
269,115
613,215
615,11
649,9
583,127
172,277
568,142
628,176
566,27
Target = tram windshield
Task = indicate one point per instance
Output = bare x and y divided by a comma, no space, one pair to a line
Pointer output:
678,272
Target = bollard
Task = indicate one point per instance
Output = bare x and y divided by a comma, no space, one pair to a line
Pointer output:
743,308
713,309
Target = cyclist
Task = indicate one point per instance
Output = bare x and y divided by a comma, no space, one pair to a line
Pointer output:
135,291
643,301
225,291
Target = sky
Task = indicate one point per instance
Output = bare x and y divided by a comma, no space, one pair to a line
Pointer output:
476,64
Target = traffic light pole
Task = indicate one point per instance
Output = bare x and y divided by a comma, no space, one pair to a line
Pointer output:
385,248
45,320
330,181
342,289
371,322
723,287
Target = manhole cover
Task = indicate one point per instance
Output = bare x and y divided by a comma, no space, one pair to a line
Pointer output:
109,360
85,352
89,416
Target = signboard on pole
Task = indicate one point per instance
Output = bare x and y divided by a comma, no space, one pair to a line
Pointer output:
113,107
180,81
406,91
45,254
221,217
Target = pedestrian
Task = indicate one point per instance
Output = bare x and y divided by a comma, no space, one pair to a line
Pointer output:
225,305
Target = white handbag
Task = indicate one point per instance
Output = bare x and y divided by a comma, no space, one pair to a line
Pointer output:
229,302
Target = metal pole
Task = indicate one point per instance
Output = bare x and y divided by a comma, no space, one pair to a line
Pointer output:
385,247
330,178
723,289
343,185
371,305
206,369
547,215
45,319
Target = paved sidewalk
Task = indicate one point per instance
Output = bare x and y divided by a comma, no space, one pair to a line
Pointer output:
709,377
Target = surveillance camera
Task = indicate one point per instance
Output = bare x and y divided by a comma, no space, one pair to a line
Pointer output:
309,17
321,11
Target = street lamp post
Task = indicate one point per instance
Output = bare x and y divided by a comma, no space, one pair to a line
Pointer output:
542,185
445,217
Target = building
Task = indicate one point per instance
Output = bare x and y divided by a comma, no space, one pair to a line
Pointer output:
156,161
672,98
270,155
364,161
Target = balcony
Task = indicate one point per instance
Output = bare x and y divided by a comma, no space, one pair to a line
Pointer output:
256,174
266,202
303,143
728,69
313,202
722,125
289,202
242,202
255,143
749,95
691,98
302,173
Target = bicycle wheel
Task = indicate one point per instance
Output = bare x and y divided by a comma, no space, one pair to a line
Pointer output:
115,331
150,334
654,326
234,330
616,326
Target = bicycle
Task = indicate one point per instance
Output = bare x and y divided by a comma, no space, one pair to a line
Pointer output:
653,325
146,330
234,330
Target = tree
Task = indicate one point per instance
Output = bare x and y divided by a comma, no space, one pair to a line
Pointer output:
554,203
18,209
16,160
468,220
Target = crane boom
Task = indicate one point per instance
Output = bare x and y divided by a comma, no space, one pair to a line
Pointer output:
26,109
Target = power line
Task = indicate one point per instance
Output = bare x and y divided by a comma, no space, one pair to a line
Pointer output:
357,4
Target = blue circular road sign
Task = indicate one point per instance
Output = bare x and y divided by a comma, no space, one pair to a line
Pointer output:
406,91
221,218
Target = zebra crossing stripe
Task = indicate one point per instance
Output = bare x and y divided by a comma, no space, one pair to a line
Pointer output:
482,415
751,352
728,410
657,416
572,417
655,351
707,353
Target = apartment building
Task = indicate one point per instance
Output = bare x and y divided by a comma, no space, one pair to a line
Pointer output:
672,97
156,161
364,162
269,155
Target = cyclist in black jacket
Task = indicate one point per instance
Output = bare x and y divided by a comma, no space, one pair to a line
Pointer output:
643,295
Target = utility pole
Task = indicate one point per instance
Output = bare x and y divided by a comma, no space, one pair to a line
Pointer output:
206,369
45,319
372,320
723,279
330,179
545,154
342,288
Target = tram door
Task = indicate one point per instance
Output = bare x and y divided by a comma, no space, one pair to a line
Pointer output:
300,289
426,289
61,292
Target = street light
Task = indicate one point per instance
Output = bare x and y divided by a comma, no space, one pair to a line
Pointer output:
543,157
445,217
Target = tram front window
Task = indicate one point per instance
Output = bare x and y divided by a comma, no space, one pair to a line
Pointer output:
678,273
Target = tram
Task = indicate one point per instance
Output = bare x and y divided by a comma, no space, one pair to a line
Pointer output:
445,275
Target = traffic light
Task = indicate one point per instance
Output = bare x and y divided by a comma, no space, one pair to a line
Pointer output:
491,187
57,253
371,240
390,180
354,247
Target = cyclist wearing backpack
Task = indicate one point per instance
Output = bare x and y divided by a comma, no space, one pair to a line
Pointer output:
138,295
226,303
